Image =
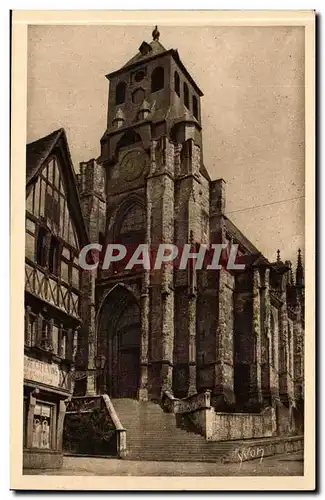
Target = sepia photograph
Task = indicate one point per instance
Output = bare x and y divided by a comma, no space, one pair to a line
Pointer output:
165,321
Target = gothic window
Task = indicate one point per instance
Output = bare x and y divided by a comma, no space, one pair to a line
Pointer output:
290,348
157,79
130,137
272,360
177,84
120,92
195,107
186,95
101,238
132,225
129,231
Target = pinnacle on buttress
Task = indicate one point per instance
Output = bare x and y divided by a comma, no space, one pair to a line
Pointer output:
155,34
278,258
299,270
144,110
118,119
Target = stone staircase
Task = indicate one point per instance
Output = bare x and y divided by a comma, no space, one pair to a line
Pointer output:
152,434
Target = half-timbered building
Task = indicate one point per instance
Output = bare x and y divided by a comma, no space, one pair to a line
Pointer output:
55,232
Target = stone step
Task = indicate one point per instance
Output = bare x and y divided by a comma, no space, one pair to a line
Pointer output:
152,434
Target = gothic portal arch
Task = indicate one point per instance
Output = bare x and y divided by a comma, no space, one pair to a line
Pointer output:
119,336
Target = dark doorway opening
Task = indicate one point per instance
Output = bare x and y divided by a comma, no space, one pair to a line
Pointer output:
119,341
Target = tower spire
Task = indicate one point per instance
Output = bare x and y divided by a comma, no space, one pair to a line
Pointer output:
155,34
299,270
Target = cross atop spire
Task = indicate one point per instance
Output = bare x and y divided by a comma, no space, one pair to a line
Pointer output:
155,34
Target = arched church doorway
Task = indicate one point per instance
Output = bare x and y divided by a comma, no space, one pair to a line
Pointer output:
119,341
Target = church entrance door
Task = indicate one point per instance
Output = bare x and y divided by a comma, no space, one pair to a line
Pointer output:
119,339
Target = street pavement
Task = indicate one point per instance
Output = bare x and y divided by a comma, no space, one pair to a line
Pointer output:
277,465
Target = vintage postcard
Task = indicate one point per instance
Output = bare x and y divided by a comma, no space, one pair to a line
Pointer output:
163,180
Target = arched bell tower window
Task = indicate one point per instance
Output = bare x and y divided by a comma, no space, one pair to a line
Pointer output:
177,84
157,79
120,92
186,95
195,107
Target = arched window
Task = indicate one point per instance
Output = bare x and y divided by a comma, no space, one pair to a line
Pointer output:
186,96
131,230
177,84
195,107
130,137
157,79
120,93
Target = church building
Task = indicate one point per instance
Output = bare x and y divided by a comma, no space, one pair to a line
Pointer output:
166,336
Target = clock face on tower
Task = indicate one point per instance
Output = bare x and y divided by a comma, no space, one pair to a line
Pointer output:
133,164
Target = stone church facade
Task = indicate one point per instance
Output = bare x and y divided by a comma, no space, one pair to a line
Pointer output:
151,334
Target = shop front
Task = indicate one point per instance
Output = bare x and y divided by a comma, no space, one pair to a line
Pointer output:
47,388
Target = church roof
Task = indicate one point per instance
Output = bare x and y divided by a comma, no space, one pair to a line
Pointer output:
37,153
239,236
152,50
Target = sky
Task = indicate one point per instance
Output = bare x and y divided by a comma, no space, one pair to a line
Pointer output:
252,110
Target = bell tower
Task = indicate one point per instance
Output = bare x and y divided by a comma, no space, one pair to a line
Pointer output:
157,191
151,96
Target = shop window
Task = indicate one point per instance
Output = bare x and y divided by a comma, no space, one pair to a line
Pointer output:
42,426
177,85
157,79
120,92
